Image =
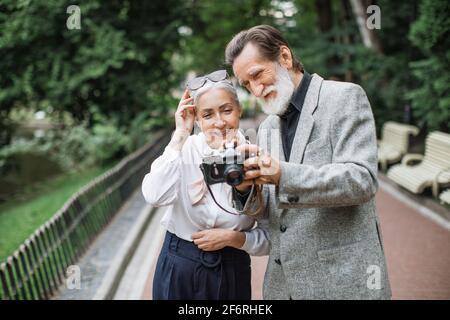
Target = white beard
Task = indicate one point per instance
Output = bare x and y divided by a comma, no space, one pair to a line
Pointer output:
284,88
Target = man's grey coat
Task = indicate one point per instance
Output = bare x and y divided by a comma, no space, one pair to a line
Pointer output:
325,235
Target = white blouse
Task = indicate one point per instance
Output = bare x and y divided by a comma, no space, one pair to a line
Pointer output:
175,180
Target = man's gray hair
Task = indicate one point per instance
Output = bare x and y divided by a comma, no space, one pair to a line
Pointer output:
226,85
267,39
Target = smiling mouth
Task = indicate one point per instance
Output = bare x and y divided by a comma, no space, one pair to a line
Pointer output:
221,133
224,133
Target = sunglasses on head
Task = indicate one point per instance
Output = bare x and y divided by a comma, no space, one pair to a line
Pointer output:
199,82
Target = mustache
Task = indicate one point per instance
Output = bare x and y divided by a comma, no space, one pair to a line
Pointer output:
268,90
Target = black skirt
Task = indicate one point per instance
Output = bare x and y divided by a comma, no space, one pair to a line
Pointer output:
184,272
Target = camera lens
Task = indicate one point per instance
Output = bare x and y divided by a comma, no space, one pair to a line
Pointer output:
233,174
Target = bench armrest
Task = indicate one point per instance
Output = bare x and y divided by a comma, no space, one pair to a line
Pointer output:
411,157
435,187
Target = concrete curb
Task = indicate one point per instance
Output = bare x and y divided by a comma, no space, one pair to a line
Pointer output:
134,284
111,281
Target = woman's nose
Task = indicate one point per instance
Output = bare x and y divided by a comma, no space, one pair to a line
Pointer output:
219,123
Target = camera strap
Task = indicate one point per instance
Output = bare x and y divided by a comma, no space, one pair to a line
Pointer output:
258,193
212,195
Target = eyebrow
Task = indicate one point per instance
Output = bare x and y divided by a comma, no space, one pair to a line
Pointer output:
226,104
254,70
251,73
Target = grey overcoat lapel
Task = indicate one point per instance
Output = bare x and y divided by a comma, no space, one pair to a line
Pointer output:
306,121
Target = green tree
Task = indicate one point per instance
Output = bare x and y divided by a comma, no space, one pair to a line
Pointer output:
211,26
118,63
431,33
327,39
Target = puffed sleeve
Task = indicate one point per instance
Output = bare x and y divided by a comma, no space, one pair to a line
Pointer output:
161,185
257,241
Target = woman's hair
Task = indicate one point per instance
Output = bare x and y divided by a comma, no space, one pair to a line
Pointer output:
226,85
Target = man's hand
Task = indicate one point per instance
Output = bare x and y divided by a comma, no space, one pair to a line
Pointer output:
216,239
260,168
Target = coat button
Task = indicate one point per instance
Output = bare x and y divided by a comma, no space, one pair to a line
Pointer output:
283,228
277,261
293,198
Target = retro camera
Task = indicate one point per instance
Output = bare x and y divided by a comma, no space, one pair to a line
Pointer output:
226,165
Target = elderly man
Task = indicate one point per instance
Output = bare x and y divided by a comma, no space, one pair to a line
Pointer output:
316,160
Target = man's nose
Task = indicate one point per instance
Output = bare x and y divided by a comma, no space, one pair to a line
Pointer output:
257,89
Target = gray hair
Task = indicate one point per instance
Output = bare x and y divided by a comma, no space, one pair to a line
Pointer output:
267,39
226,85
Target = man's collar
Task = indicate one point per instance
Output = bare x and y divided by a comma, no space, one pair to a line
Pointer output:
299,95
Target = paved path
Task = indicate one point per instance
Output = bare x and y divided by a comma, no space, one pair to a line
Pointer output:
417,251
95,263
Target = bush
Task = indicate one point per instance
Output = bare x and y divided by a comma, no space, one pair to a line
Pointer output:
109,142
72,148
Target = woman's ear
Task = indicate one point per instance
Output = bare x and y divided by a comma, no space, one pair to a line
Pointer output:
197,123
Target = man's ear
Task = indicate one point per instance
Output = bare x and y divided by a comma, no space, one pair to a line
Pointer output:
285,58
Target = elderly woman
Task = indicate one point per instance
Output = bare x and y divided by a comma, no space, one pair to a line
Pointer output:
205,254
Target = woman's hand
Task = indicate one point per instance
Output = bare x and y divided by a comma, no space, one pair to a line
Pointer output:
184,121
185,114
216,239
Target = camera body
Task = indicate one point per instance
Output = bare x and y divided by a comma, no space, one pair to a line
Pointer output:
226,165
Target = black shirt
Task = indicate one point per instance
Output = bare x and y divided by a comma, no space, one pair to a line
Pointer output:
289,120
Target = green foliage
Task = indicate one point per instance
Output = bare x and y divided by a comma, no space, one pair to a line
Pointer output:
431,31
21,216
128,56
431,97
431,100
139,129
116,62
212,24
73,148
340,54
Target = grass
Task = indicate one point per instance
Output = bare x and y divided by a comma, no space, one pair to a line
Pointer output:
19,219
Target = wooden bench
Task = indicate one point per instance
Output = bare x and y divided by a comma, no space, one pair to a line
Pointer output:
445,196
394,142
433,170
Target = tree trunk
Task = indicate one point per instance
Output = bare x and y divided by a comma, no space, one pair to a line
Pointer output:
370,37
345,16
325,12
325,15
